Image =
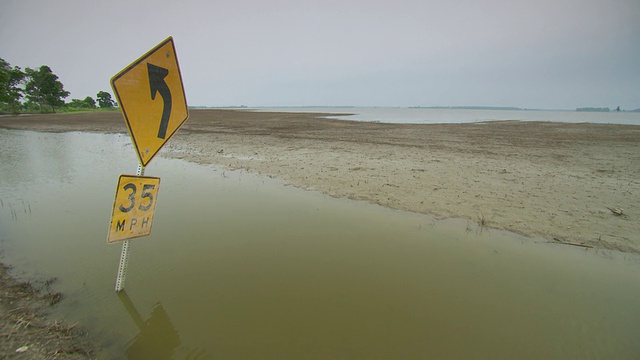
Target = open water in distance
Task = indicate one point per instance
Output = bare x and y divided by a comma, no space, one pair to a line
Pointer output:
238,266
444,116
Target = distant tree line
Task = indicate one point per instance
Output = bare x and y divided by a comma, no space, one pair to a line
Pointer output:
40,90
595,109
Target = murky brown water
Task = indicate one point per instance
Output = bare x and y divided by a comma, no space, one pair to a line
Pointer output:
238,266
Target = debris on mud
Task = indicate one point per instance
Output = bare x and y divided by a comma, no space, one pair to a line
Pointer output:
25,330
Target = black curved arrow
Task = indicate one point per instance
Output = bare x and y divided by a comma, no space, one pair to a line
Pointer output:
158,85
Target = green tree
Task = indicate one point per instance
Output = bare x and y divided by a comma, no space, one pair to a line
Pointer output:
43,88
104,100
75,103
32,89
89,102
10,90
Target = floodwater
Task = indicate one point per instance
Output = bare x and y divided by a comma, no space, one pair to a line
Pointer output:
239,266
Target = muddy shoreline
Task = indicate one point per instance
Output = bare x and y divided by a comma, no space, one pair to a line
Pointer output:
26,332
558,181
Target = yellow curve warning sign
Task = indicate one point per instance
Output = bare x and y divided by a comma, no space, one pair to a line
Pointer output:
151,97
133,207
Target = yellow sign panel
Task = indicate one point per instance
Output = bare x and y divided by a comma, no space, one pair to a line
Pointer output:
133,207
152,100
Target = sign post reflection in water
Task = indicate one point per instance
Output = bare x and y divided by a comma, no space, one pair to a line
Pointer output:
151,120
158,338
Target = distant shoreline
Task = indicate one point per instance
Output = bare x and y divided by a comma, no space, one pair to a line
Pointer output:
462,107
447,115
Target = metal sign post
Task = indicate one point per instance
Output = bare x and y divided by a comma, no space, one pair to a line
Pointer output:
151,120
122,267
124,255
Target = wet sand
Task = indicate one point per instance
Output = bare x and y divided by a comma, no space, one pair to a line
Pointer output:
552,180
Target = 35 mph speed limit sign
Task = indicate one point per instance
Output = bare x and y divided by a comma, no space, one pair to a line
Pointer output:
133,207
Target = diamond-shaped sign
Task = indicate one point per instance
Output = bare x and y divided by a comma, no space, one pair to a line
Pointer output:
152,100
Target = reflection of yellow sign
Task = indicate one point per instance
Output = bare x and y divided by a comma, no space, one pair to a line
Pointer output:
133,207
158,338
152,100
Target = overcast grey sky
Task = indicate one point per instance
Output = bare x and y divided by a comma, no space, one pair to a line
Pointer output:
531,53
